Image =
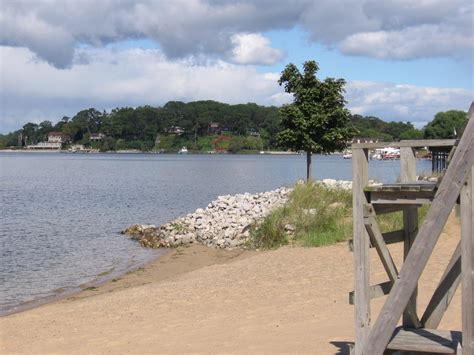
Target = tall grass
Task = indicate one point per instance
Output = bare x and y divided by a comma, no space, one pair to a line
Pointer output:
316,216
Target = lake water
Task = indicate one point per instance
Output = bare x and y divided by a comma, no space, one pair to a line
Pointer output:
62,213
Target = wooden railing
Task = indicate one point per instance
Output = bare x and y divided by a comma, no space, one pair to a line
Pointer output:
418,246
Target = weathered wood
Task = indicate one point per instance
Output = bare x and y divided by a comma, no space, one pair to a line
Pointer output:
375,291
408,186
402,197
448,192
389,238
467,264
382,250
360,178
407,165
404,186
406,143
444,292
410,225
388,264
425,340
394,236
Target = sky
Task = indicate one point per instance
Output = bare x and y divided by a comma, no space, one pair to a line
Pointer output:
402,60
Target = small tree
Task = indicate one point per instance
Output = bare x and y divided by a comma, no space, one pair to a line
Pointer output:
317,120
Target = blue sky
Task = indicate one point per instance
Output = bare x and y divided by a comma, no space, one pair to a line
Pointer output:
439,72
402,60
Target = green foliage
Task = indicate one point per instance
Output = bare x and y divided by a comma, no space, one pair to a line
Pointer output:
374,127
445,124
271,232
394,221
317,120
319,216
10,140
138,128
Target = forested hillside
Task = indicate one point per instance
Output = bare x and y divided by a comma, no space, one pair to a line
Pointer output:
204,126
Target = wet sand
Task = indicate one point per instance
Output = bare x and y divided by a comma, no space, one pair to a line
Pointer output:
197,299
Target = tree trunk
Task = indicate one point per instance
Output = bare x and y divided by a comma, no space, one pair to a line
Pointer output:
308,167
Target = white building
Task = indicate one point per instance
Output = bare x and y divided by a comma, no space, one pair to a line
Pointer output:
56,137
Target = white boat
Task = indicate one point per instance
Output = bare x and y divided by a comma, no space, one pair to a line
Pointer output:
183,150
347,155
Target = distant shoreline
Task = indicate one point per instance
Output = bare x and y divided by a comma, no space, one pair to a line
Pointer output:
56,151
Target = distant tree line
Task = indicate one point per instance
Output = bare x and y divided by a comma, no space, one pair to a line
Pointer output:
202,124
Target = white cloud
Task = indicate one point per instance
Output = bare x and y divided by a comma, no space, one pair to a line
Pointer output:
33,90
417,42
397,102
394,29
253,48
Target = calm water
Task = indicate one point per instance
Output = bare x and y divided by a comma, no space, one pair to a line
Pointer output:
62,213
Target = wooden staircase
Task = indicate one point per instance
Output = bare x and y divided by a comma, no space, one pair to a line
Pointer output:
416,335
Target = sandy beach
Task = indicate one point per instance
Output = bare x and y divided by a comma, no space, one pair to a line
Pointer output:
197,299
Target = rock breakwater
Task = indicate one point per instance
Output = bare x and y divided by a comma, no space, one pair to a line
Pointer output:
225,223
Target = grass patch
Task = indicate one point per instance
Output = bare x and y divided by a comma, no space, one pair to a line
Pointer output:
313,216
316,216
394,221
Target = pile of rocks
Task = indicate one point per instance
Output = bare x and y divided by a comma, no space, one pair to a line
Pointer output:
336,184
225,223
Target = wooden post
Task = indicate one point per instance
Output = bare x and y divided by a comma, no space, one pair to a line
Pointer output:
448,192
467,264
308,167
407,164
410,227
360,178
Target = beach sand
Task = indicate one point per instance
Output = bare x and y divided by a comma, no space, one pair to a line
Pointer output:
197,299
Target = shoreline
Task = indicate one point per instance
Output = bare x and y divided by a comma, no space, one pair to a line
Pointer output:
170,264
200,299
100,280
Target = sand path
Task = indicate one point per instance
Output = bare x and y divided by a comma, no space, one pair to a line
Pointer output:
283,301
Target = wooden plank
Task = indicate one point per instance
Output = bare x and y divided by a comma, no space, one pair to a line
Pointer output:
407,165
444,293
382,250
360,178
467,264
407,143
425,340
394,236
396,187
402,197
410,225
389,265
448,192
389,238
375,291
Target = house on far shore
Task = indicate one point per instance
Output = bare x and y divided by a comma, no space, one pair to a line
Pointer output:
97,136
56,137
213,128
366,140
254,132
175,130
45,145
55,140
